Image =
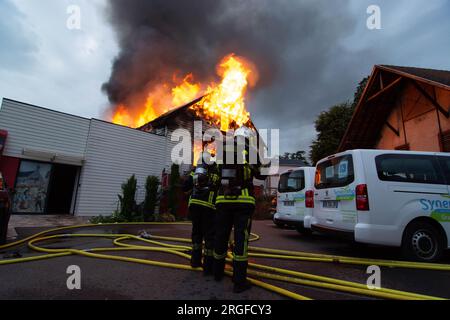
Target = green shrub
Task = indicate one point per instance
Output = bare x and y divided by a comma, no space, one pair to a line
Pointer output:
166,217
263,210
127,202
151,198
174,186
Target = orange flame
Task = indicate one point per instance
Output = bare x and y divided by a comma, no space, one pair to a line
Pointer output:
122,117
186,91
222,105
225,103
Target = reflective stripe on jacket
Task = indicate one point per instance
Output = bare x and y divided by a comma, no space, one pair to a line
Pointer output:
244,198
209,203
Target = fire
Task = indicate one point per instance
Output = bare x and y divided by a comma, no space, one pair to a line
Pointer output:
160,100
186,91
223,104
122,117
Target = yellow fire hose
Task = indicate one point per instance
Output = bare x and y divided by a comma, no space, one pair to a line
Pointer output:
278,274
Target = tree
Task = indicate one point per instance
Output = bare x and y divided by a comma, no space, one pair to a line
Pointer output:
174,186
299,155
332,124
359,91
127,199
151,197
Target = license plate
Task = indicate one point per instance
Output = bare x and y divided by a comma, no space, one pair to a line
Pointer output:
331,204
289,203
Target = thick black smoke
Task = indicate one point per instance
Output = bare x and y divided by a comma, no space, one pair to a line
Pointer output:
295,45
160,37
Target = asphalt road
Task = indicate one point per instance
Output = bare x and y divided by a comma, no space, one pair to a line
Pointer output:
109,280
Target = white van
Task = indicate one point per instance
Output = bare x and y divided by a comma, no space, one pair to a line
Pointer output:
295,198
393,198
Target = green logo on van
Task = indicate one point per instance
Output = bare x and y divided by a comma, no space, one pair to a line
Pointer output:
345,194
441,215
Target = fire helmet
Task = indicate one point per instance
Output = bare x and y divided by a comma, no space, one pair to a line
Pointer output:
245,132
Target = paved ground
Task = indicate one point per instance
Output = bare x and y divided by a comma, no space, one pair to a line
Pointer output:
103,279
23,221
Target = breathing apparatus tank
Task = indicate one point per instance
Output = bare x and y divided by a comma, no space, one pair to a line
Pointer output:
235,176
201,180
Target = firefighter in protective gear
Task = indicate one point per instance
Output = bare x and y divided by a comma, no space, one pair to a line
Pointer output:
202,184
235,204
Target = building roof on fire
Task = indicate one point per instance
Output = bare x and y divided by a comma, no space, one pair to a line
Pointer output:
169,117
162,120
377,101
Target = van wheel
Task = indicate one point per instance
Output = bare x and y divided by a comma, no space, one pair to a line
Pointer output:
422,242
304,231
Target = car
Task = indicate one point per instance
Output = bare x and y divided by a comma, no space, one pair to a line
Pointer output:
295,198
386,197
5,210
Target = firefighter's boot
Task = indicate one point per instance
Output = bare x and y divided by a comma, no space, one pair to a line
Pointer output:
196,259
241,283
208,265
219,269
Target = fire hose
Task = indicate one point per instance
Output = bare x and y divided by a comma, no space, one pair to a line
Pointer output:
155,244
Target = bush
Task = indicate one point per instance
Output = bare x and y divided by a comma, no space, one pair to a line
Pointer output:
114,218
166,217
151,198
127,200
174,186
128,210
263,210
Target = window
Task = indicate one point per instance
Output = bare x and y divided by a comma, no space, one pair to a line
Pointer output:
292,181
333,173
445,165
409,168
31,187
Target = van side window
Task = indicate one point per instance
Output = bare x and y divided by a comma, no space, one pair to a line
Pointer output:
445,165
409,168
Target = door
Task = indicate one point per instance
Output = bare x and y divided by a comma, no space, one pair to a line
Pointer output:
62,189
335,206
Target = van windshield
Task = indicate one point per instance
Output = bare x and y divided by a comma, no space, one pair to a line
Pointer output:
334,173
292,181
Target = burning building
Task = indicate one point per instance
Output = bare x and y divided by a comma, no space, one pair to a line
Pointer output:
58,163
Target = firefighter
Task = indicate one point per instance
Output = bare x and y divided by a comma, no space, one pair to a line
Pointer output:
202,184
235,205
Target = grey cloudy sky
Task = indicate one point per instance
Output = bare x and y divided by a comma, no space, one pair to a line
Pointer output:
319,50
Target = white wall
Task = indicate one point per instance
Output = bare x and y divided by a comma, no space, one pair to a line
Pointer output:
43,132
113,154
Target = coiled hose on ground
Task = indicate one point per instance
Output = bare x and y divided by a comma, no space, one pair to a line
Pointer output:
156,244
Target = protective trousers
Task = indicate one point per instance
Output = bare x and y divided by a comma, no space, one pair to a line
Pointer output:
229,216
203,224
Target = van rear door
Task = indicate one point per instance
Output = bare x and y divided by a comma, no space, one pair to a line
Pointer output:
335,206
291,196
